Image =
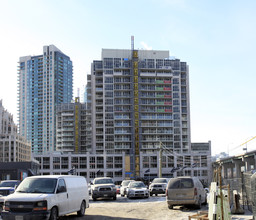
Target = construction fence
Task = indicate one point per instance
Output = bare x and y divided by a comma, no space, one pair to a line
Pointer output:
243,187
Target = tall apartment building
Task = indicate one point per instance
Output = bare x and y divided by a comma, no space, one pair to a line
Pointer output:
72,133
13,147
43,82
139,102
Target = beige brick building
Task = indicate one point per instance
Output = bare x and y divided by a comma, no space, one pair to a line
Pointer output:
13,147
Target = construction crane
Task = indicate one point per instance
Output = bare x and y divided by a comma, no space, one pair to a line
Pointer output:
246,143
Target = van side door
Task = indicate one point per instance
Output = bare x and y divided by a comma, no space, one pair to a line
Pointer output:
62,197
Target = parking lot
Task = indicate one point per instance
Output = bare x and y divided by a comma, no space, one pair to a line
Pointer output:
155,207
131,209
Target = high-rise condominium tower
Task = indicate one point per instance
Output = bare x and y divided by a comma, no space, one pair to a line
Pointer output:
139,102
43,82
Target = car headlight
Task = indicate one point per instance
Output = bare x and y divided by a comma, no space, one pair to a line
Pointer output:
6,206
40,206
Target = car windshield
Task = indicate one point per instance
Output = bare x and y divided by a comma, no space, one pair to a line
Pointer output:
8,184
37,185
126,183
103,181
136,185
159,181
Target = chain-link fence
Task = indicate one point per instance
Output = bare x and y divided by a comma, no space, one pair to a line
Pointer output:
243,187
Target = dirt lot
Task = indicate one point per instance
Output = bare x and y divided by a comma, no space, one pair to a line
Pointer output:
128,209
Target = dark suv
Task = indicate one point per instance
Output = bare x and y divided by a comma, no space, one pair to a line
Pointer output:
8,186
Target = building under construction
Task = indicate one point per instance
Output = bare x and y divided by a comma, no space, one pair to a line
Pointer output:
139,102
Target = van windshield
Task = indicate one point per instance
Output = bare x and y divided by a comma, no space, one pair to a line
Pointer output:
37,185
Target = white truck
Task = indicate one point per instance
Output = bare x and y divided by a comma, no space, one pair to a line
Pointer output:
47,197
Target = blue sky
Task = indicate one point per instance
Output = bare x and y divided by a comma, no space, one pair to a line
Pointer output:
216,38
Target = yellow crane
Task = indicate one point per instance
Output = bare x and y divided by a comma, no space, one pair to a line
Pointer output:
247,142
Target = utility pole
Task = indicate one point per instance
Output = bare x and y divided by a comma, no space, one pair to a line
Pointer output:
160,159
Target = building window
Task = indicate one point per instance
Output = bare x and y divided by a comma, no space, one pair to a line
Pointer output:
92,162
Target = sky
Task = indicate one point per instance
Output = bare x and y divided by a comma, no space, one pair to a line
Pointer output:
217,39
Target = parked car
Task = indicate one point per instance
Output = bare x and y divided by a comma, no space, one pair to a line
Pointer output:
123,188
89,188
207,191
185,191
8,186
117,189
137,189
47,197
103,187
158,186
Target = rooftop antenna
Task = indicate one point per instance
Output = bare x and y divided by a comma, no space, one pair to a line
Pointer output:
132,42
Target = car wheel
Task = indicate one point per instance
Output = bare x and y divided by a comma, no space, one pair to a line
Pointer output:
122,195
82,209
114,198
151,194
94,198
54,214
199,204
170,206
156,194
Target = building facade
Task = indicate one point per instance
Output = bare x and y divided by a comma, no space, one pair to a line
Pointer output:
139,99
18,170
117,166
43,82
72,133
88,165
13,147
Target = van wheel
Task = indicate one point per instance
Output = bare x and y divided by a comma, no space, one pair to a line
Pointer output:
54,214
82,209
170,206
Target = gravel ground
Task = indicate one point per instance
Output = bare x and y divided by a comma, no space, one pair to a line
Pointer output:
131,209
128,209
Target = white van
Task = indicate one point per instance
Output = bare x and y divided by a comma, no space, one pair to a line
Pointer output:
47,197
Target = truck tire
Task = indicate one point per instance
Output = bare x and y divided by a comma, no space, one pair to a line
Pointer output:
81,212
54,214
